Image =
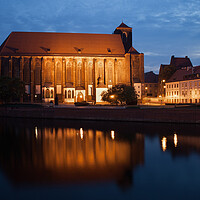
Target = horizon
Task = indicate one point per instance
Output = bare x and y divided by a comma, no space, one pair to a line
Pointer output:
160,29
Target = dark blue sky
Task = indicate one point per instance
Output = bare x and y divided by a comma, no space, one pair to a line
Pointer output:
161,28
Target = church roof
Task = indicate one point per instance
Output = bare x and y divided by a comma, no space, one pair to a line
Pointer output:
43,43
122,25
132,50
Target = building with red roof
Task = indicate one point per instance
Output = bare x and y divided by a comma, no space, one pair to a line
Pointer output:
72,66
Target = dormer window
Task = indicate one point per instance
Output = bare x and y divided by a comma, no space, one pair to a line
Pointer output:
109,50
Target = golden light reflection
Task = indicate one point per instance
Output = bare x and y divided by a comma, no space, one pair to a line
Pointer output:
164,143
81,133
36,133
175,140
113,135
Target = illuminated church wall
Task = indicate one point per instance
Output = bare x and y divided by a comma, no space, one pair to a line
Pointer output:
64,70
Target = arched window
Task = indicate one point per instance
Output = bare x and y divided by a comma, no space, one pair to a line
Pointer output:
69,72
37,73
69,94
43,93
48,72
72,93
27,71
90,73
51,93
79,73
58,73
47,93
110,73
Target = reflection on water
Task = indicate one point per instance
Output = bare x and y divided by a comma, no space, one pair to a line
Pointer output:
74,154
69,155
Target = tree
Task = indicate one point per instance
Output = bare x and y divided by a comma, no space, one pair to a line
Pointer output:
120,94
11,89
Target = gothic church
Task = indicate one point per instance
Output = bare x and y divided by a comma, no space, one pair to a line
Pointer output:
72,66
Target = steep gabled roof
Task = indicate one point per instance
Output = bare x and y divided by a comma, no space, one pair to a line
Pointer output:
122,25
133,51
183,73
37,43
180,62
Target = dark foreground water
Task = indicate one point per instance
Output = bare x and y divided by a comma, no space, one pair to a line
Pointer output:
98,160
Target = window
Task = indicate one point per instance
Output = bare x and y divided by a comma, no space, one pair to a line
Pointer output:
177,85
185,84
174,85
182,92
190,92
65,94
72,93
172,93
47,93
51,93
185,100
196,92
69,94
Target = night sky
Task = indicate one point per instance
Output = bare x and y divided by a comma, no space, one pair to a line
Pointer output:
161,28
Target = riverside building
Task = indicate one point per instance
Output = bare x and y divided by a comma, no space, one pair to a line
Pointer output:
74,67
184,86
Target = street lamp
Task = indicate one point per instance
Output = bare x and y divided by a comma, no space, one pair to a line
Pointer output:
161,88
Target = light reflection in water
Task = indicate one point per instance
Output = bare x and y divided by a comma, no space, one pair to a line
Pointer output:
36,132
175,140
164,143
113,135
63,154
81,133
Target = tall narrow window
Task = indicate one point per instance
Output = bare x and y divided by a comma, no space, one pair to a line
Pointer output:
48,72
58,73
51,93
110,73
27,77
79,71
69,94
47,93
37,73
90,73
69,72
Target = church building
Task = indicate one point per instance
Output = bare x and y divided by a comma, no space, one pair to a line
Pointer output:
74,67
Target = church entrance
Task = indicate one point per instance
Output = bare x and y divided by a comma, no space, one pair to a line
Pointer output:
80,97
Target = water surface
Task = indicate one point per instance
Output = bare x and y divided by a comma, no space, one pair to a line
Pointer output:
50,159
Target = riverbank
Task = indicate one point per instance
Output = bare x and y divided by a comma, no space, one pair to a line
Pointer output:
164,114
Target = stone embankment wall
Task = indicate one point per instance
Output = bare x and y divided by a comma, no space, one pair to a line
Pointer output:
170,115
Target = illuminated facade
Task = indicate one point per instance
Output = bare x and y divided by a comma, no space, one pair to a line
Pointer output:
74,67
184,86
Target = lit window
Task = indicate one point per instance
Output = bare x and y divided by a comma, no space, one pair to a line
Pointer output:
69,94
